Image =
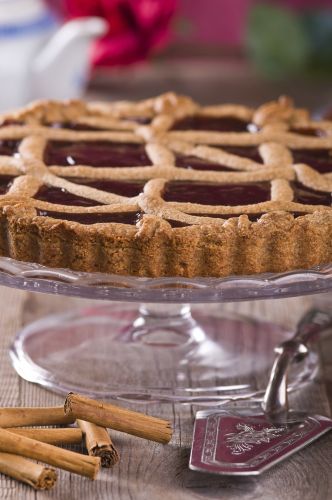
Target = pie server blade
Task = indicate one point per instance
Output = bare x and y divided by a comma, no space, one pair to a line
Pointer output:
248,438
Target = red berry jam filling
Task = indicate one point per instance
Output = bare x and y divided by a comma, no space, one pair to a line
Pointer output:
63,197
194,163
307,196
117,217
122,188
211,123
250,152
313,132
142,120
318,159
9,123
177,223
96,154
5,183
9,147
251,217
217,194
74,126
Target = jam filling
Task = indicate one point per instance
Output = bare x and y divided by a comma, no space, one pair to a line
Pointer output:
132,218
95,154
9,147
177,223
62,197
194,163
142,120
318,159
10,122
250,152
217,194
122,188
251,217
307,196
313,132
118,217
74,126
5,183
212,123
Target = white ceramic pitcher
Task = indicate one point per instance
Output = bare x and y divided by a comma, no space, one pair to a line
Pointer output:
39,58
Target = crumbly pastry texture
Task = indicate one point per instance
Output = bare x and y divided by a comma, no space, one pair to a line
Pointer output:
165,187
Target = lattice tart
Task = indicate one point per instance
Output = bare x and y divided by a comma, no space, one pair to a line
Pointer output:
165,187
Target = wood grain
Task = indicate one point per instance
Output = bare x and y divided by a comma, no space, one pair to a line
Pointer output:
153,471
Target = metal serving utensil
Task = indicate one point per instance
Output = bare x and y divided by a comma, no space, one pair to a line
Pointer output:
248,438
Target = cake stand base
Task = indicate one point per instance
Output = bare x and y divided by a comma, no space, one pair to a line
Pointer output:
158,353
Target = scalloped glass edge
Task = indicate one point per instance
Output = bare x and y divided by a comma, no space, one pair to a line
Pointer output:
31,276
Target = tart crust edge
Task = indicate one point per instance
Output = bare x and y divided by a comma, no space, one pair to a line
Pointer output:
277,242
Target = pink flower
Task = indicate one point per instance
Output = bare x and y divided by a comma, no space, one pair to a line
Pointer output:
136,27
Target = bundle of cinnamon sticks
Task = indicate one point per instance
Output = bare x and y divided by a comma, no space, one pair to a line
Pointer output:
21,440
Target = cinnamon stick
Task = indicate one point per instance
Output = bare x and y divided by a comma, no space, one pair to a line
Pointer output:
36,475
98,443
71,435
23,417
120,419
52,455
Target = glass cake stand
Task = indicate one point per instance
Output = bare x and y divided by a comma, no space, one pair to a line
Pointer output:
158,351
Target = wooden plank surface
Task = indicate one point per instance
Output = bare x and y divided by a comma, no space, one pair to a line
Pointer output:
152,471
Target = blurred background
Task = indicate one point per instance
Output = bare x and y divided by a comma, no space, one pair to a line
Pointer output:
214,50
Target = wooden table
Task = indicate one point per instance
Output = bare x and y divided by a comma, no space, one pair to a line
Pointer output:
152,471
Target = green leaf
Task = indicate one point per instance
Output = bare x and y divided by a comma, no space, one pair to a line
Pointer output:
277,41
318,25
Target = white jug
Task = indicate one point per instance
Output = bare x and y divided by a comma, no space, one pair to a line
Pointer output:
39,59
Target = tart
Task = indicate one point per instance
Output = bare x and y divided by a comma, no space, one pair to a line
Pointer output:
165,187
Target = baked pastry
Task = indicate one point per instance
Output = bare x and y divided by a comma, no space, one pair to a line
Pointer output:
164,187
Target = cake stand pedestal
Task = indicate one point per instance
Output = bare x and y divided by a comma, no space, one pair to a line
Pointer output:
158,351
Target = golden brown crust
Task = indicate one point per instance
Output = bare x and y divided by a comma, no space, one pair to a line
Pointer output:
277,242
207,246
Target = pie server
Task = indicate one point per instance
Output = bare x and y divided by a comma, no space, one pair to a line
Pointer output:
249,438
